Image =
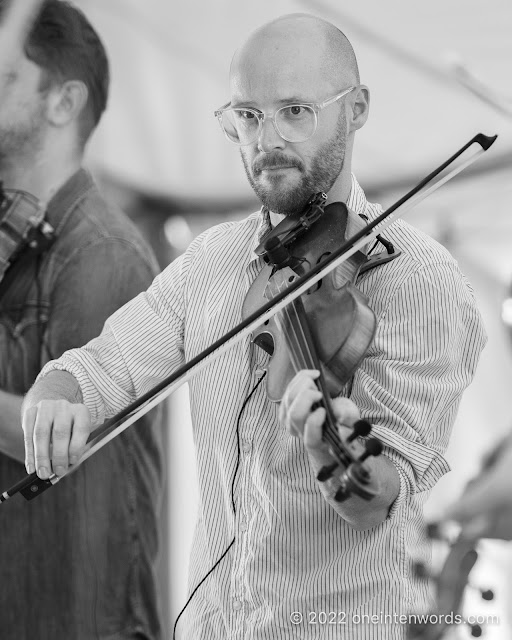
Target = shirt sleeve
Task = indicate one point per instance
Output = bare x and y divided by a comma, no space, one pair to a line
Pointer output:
426,349
141,343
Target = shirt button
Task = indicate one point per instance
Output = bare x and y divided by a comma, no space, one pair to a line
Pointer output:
246,446
237,605
243,524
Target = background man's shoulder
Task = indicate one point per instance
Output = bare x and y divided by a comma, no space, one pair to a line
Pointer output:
95,223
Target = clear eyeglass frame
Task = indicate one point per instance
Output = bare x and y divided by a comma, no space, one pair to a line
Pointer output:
315,106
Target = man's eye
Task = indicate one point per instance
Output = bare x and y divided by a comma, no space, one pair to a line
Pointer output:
245,115
293,111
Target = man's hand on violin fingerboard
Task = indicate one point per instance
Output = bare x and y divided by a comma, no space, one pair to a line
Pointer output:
299,414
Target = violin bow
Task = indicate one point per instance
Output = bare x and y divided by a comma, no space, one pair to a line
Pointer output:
32,486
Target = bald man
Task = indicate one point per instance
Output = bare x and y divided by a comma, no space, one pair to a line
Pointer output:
294,563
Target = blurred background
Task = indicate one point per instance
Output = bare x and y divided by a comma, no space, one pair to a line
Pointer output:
439,72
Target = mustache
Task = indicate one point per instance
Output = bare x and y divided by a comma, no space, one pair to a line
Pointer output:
276,160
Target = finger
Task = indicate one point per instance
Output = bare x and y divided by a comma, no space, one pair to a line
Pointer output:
300,409
304,379
345,411
41,440
313,430
61,436
27,424
81,431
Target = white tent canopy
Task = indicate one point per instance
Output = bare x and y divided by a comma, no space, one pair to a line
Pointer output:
170,66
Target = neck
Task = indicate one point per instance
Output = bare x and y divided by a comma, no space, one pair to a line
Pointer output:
41,176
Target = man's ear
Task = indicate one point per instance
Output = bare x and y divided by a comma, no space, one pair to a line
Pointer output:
66,102
360,108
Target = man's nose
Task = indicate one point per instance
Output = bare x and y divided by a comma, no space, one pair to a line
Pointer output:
269,139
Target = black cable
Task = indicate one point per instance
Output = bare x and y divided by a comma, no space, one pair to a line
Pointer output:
237,466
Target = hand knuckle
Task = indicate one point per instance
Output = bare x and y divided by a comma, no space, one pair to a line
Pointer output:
40,436
75,450
81,411
60,431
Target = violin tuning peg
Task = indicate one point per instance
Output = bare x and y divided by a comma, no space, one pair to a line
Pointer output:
341,495
487,594
326,472
373,447
434,531
446,532
421,570
362,428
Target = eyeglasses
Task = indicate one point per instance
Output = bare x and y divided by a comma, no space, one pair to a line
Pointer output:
294,122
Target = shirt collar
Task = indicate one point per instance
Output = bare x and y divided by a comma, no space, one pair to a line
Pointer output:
358,203
66,198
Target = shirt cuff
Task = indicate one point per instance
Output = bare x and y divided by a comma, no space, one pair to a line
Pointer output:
422,465
56,385
404,492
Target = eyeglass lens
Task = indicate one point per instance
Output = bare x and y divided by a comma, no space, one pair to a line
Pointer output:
294,123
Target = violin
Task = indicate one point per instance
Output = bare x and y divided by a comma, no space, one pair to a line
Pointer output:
31,485
329,328
341,323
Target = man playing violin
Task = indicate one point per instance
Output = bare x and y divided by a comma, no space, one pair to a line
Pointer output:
80,564
295,562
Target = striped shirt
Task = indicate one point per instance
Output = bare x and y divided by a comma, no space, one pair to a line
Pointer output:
296,569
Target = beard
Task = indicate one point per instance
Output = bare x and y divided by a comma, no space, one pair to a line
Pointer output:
326,166
22,138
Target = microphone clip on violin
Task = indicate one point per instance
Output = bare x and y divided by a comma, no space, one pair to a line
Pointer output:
274,244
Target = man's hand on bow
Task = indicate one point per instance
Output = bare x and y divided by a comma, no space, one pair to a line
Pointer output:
55,434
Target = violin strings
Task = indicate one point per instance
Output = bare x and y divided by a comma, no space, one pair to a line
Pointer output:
302,347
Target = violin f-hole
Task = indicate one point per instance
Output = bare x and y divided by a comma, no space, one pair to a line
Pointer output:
265,341
318,285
